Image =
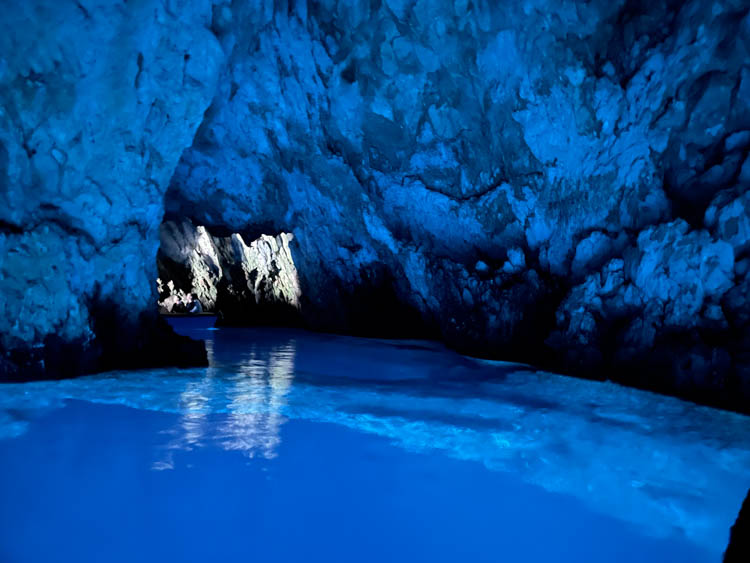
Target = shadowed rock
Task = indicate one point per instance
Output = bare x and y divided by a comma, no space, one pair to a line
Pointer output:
738,550
96,107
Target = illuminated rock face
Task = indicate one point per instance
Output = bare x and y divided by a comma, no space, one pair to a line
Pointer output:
553,182
241,283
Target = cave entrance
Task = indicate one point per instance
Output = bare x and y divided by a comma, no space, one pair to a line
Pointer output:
243,283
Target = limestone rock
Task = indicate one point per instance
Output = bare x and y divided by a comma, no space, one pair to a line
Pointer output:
97,102
577,161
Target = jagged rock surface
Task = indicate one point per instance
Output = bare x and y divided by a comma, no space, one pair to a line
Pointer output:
244,284
549,181
97,102
553,182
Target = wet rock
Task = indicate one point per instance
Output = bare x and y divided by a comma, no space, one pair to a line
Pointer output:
516,261
188,262
670,290
481,267
377,159
728,217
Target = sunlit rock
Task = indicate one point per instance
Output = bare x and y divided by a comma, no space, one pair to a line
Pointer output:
249,284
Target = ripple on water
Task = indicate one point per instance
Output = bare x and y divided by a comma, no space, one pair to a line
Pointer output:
658,462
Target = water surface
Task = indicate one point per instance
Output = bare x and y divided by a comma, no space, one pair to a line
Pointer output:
295,446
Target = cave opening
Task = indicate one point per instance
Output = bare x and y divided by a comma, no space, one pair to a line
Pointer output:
241,282
254,279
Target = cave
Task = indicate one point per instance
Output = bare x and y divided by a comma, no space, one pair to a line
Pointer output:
510,239
242,284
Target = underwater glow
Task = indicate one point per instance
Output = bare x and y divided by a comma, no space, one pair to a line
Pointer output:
669,470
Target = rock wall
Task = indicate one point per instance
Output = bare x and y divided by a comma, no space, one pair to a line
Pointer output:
554,182
98,99
243,284
549,181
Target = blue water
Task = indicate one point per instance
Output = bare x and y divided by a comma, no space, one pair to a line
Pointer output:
294,446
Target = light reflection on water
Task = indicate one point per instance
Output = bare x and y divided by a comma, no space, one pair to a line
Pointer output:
256,396
256,402
669,466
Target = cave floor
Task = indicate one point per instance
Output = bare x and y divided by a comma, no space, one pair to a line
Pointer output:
298,446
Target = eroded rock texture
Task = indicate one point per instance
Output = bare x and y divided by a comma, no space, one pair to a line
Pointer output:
553,182
98,99
243,284
549,181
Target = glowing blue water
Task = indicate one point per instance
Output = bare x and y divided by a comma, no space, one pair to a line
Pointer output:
301,447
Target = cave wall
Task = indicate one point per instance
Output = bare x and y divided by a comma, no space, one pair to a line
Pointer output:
548,181
556,182
98,99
